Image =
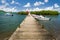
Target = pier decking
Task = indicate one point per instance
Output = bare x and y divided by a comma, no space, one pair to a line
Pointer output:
30,29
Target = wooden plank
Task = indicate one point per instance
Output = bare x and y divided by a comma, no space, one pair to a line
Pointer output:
30,29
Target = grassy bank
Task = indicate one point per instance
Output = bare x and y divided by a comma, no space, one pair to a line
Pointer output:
44,12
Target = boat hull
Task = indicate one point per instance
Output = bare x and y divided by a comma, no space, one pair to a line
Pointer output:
40,18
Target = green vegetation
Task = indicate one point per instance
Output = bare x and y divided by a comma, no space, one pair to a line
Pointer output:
45,12
23,13
1,11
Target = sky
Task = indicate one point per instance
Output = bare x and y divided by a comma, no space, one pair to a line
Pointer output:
31,5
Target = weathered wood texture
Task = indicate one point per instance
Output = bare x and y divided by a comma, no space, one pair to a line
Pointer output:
30,29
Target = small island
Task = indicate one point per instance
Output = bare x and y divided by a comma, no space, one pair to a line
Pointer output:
43,12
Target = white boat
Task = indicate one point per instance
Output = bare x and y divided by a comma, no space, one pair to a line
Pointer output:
9,14
40,17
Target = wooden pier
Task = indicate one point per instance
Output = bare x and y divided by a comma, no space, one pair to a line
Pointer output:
30,29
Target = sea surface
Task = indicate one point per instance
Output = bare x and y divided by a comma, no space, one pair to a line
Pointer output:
53,25
8,24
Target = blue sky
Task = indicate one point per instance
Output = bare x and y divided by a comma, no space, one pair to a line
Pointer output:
31,5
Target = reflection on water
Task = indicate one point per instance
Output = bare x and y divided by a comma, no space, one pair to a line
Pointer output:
8,24
53,25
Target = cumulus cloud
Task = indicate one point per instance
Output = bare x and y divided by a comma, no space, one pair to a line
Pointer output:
8,9
58,9
6,4
5,7
3,1
11,9
46,8
38,3
49,8
34,9
12,2
46,1
39,9
27,5
18,3
2,6
56,5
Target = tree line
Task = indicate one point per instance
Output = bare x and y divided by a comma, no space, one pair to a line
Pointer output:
43,12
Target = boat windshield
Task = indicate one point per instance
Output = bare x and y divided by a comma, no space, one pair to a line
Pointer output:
41,16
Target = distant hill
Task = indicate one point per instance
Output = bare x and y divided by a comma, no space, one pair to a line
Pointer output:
42,12
1,11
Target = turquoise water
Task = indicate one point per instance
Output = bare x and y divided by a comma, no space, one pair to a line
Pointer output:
53,25
8,24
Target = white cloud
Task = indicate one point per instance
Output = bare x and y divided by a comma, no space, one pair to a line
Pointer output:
8,9
46,8
6,4
57,9
34,9
56,5
27,5
49,8
46,1
3,1
5,7
11,9
39,9
38,3
17,3
12,2
2,6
